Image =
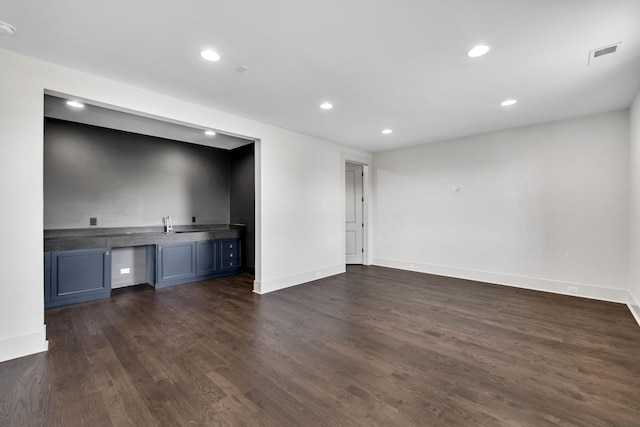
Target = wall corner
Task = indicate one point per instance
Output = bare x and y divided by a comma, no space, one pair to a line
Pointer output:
24,345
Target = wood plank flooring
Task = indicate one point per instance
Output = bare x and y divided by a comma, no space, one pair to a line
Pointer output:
372,347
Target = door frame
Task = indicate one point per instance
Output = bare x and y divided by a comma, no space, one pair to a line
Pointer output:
366,208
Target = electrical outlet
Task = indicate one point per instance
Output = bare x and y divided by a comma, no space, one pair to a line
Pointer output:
125,270
93,221
574,289
193,219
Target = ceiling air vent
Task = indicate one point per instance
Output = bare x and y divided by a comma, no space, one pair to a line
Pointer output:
607,52
241,69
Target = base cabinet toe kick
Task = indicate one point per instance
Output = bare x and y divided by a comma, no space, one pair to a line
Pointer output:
74,276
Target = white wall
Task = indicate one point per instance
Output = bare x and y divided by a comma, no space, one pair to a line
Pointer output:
634,285
544,207
21,128
299,192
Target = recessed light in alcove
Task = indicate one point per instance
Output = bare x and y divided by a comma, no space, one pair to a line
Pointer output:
75,104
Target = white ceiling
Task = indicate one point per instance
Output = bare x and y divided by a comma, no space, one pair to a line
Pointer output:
382,63
57,108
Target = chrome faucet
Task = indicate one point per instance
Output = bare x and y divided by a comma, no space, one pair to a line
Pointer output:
167,224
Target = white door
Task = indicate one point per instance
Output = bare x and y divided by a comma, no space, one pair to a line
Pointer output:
354,219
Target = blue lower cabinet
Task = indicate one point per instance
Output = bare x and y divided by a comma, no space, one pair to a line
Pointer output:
175,263
207,259
77,276
178,263
47,278
85,274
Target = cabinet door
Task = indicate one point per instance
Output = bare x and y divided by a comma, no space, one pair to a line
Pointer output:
230,254
175,262
80,275
47,277
206,251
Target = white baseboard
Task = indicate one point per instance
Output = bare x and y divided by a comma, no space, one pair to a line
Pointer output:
524,282
634,307
24,345
533,283
266,286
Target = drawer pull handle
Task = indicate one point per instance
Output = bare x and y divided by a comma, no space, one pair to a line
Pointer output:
230,255
231,246
106,253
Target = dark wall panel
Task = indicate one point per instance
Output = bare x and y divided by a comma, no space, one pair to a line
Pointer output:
242,184
127,179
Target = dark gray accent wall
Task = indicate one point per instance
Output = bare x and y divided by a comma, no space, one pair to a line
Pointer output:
127,179
242,192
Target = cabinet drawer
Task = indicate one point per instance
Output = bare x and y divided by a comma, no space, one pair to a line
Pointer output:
230,253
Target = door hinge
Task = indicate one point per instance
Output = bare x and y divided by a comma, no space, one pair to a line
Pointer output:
363,199
363,225
362,250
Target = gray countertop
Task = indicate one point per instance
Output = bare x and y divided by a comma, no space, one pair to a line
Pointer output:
91,238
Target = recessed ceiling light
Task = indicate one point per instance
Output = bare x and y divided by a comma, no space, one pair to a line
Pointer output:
6,28
210,55
209,132
75,104
508,102
387,131
326,106
478,51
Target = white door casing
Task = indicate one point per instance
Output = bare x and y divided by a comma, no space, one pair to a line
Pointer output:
353,214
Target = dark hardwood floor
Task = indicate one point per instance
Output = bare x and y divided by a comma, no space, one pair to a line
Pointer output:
372,347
